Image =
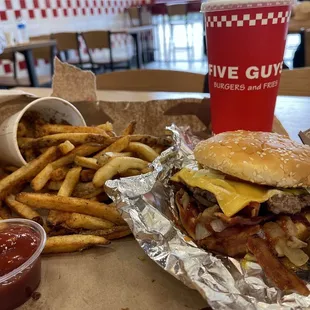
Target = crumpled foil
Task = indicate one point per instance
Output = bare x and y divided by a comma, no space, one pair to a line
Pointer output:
146,203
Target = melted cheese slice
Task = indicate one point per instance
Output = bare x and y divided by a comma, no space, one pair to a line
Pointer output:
232,196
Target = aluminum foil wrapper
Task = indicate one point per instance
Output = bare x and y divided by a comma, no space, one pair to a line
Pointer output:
146,203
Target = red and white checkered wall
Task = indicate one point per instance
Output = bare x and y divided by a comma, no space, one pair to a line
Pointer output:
52,16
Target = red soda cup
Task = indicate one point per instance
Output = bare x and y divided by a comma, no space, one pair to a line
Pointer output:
245,44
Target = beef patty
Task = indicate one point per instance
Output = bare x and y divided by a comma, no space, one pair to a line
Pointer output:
281,203
289,204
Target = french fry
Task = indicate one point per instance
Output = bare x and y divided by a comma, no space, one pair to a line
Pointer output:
86,162
78,221
72,243
158,148
66,147
29,155
118,146
4,212
44,149
133,172
106,126
87,175
27,172
70,204
151,140
104,158
10,168
82,150
86,190
142,150
60,231
74,138
71,179
51,129
130,173
22,142
59,174
130,129
42,178
56,218
111,133
3,175
21,130
23,210
116,166
54,185
115,232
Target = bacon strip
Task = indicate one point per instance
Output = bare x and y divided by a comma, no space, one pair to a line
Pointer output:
251,210
232,241
240,220
283,278
188,214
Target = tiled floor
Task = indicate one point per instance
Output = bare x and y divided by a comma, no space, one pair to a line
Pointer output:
172,52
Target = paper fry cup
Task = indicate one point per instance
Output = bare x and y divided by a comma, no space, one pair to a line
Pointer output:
50,108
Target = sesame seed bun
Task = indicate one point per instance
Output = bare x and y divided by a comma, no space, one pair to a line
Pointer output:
258,157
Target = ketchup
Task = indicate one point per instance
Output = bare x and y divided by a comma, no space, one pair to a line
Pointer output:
17,244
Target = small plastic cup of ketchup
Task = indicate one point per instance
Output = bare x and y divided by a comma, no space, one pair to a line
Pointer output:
21,243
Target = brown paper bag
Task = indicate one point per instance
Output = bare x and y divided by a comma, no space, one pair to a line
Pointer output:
79,87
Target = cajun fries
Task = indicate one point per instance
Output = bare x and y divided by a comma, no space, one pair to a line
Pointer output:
70,204
23,210
68,185
59,174
66,147
118,146
27,172
72,243
50,129
142,150
86,162
74,138
116,166
66,170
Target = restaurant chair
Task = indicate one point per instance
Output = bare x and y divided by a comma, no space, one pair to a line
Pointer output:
153,80
295,82
142,16
68,49
134,14
107,57
9,81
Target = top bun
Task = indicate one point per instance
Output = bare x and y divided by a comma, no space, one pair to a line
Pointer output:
258,157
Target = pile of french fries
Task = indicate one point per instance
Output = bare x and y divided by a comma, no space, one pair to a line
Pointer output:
66,170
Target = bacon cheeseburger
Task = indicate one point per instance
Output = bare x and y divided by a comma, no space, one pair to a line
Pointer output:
250,198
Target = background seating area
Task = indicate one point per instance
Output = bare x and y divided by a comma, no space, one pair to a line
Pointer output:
104,36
